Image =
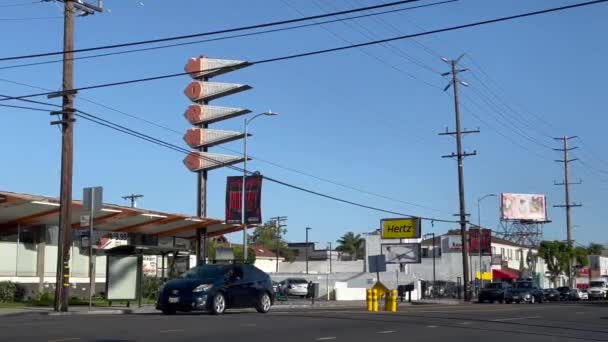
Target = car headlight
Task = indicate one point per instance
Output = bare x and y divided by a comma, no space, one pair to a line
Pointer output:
202,288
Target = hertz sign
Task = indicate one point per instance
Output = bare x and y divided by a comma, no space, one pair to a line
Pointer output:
401,228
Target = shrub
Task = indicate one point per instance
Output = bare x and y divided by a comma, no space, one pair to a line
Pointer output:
150,287
11,292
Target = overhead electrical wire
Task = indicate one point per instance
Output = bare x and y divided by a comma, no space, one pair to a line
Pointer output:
203,34
21,4
340,48
229,36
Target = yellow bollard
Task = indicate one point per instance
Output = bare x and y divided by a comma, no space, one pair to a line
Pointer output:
394,301
369,300
387,301
375,300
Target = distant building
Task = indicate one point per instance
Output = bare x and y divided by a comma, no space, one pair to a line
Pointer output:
266,260
315,254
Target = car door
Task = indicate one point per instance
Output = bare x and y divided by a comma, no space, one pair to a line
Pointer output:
235,288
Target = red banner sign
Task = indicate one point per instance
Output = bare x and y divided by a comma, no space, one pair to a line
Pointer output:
481,241
253,197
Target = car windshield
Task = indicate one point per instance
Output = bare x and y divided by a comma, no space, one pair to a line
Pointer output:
494,286
207,272
299,281
597,284
524,285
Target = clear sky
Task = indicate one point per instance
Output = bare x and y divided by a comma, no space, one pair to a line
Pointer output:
366,118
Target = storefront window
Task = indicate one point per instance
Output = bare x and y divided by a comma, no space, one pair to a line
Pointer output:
8,252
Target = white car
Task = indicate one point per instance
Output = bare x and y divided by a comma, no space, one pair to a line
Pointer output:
578,294
295,287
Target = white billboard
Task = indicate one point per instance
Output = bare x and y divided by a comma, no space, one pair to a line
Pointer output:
525,207
402,253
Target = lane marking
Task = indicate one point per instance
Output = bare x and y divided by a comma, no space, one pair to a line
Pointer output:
249,325
65,339
432,326
170,331
326,338
513,318
465,323
386,332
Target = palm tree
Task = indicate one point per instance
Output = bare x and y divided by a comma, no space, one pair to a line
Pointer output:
351,243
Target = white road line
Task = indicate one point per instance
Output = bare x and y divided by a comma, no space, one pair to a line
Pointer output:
432,326
65,339
386,332
465,323
513,318
326,338
250,325
170,331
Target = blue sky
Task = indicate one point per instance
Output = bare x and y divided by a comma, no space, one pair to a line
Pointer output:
350,116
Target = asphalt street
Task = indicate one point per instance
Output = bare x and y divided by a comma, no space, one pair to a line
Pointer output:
524,322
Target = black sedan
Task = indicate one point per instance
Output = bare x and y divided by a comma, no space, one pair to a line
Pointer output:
215,288
524,292
551,295
493,292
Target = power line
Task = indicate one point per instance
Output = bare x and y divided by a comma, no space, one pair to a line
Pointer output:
29,18
236,29
23,107
230,36
341,48
21,4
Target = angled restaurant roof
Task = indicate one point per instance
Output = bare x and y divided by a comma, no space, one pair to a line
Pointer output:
25,209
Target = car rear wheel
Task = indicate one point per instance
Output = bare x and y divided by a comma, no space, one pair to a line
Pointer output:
218,306
264,303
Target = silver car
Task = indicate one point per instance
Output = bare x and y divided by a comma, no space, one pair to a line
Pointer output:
295,287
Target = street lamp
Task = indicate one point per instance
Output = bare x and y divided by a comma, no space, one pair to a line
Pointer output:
246,125
433,237
479,239
307,229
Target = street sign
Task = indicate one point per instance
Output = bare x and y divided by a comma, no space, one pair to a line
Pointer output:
402,253
92,198
377,263
85,220
401,228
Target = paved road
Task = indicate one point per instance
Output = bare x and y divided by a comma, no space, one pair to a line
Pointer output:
538,323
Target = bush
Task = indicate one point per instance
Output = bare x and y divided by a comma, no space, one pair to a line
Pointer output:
150,287
46,299
11,292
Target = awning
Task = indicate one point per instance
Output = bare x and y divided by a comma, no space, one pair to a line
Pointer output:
504,274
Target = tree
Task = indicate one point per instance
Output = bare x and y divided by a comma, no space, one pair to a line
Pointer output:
557,255
581,256
595,249
353,244
267,237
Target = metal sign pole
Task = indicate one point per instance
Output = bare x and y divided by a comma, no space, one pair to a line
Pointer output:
91,263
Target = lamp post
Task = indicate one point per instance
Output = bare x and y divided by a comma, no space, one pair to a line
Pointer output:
479,239
306,250
243,192
433,237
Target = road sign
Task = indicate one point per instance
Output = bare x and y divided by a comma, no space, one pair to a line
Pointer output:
85,220
377,263
92,198
401,228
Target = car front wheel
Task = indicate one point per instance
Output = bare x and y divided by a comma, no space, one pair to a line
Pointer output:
264,303
218,305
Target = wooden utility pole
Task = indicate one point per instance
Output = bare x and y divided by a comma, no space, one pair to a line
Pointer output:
460,155
133,198
568,205
67,152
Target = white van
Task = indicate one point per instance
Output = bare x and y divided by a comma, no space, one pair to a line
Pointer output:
598,288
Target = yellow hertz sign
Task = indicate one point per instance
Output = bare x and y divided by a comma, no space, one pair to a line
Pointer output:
401,228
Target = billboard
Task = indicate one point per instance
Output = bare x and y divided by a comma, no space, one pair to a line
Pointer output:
401,228
525,207
481,241
253,197
402,253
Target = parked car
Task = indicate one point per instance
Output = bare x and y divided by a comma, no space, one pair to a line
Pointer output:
524,291
578,294
598,288
215,288
493,292
295,287
564,292
551,295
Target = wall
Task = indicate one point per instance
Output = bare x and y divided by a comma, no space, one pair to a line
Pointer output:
268,265
316,266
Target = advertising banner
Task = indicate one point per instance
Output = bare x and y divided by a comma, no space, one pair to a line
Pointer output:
481,241
401,228
525,207
253,199
402,253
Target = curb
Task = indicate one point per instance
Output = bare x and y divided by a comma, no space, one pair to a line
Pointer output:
94,312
